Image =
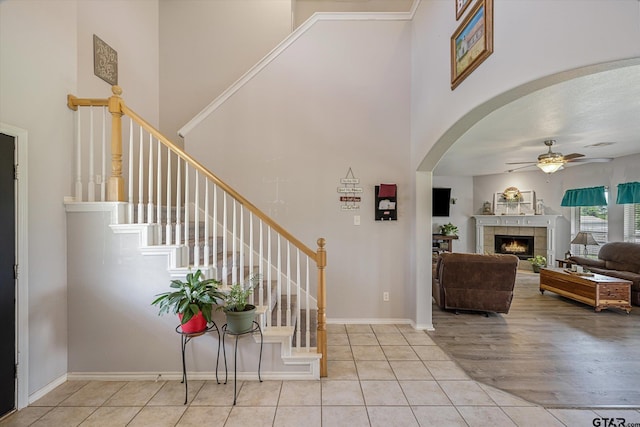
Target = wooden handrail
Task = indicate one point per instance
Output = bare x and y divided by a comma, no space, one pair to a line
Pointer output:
233,193
73,102
118,108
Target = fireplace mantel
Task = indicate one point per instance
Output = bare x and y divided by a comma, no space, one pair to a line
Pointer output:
546,221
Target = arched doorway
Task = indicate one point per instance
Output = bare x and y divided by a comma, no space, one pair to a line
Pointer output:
473,127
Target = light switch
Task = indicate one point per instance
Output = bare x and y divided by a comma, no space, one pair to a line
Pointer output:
356,220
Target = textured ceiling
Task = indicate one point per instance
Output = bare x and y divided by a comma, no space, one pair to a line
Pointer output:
602,107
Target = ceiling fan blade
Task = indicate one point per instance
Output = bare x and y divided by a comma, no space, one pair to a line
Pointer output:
521,167
520,163
592,160
573,156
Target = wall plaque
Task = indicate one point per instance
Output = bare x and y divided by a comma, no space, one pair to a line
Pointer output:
105,61
350,201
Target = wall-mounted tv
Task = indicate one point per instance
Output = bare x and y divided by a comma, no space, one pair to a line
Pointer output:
441,201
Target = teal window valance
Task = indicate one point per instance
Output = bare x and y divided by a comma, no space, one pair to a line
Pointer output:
628,192
592,196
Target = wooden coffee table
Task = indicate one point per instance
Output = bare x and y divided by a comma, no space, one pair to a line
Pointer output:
598,291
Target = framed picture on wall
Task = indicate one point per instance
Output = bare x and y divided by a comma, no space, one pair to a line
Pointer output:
461,6
472,42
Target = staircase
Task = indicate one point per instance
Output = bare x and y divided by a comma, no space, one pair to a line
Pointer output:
181,210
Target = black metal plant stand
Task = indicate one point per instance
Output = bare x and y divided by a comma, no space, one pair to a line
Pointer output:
185,337
255,328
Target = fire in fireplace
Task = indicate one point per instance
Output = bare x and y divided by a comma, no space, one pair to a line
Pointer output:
521,246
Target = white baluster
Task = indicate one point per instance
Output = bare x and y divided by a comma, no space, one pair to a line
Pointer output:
289,284
260,267
225,262
308,335
168,231
130,206
150,183
186,206
251,275
159,196
279,285
78,186
141,179
178,201
207,249
196,220
91,188
269,265
299,302
241,248
103,176
215,229
234,247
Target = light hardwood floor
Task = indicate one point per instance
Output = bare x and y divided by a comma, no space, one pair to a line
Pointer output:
549,350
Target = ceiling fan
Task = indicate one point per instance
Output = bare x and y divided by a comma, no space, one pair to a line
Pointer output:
551,162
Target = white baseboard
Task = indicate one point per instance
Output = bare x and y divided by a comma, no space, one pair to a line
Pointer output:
423,327
48,388
370,321
177,376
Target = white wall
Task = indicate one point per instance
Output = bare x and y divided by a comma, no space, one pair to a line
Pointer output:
207,45
338,98
532,39
37,70
46,53
460,213
131,28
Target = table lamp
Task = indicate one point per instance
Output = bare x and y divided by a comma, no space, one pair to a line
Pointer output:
584,238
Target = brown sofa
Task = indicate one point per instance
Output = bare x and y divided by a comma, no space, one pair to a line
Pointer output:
616,259
475,282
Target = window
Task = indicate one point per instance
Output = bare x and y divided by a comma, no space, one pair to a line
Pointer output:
592,219
632,223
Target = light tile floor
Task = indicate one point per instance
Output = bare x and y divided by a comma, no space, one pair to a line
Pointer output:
379,375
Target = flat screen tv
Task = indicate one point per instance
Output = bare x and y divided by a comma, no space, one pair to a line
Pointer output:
441,201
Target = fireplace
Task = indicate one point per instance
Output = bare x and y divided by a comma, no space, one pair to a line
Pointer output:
521,246
541,227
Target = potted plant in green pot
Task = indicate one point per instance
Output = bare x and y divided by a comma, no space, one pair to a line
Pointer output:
537,262
192,300
240,314
448,229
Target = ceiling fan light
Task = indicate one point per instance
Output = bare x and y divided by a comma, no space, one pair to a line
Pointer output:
550,166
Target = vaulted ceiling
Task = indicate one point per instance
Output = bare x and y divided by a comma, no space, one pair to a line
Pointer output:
580,114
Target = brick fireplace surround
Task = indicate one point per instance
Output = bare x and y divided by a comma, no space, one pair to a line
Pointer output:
541,227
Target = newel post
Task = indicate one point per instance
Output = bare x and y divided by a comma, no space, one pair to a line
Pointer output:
115,187
321,261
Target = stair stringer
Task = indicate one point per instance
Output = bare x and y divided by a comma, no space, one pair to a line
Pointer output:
176,254
290,356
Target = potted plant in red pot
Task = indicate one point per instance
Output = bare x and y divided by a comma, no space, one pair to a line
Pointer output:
192,300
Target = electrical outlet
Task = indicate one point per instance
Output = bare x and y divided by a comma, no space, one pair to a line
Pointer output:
356,220
385,296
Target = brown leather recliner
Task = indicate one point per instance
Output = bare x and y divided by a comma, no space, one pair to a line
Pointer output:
474,282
